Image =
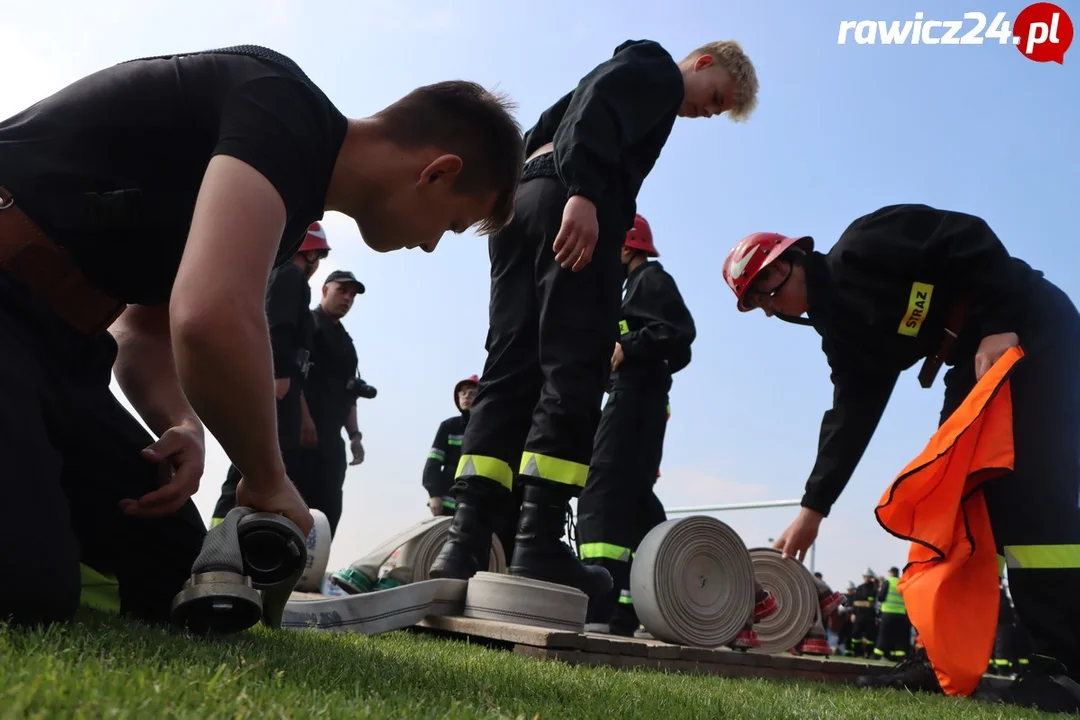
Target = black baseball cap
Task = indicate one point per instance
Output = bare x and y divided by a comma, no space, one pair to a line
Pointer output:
344,276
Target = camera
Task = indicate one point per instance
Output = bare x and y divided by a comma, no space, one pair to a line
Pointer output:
360,389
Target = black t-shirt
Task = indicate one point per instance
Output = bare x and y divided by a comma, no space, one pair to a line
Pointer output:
333,364
111,165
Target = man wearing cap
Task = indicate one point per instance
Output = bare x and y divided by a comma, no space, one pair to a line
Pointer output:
333,385
618,507
288,299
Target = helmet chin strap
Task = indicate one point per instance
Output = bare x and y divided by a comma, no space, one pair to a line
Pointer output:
793,319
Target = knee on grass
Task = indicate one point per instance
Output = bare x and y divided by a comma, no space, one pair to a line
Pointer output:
30,599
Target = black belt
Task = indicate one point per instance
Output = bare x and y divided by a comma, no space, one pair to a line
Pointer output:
541,166
47,270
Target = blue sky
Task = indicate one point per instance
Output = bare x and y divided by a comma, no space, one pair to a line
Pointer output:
841,130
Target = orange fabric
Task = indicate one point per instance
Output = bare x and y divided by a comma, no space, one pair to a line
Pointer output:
950,585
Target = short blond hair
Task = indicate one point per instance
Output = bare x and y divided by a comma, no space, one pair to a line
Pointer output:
730,56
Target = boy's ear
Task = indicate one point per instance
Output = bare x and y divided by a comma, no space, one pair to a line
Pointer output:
444,167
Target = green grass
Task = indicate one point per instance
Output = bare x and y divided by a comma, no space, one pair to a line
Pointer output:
102,667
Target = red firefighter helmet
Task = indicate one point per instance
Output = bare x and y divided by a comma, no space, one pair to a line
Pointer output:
754,253
639,237
471,380
315,239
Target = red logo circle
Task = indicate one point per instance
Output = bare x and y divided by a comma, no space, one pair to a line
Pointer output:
1043,32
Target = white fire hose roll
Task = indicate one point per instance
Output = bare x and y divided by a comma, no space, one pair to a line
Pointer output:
318,554
796,595
418,555
693,583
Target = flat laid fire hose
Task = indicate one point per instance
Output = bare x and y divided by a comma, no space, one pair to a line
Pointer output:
693,582
248,566
524,601
400,599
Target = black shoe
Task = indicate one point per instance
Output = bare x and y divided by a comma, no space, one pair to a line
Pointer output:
1043,686
913,673
468,548
624,621
540,553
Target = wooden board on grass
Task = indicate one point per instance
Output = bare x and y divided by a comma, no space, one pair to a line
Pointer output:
617,651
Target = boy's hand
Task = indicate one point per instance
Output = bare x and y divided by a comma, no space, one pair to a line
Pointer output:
576,240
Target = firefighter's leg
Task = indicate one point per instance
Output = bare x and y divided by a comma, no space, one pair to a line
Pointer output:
883,645
508,390
322,488
608,506
579,314
1034,510
650,511
149,557
40,568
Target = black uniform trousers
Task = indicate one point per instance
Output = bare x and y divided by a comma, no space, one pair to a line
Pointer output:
288,427
893,636
69,453
550,339
321,478
618,507
864,632
1035,510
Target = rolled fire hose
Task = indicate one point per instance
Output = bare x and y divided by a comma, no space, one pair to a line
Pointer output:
796,595
404,597
416,557
419,545
318,553
692,582
248,567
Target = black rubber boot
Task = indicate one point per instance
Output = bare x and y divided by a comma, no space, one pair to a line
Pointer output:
540,553
1043,685
468,546
913,673
602,607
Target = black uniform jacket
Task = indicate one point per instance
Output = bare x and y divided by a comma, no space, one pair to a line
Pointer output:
288,297
333,364
442,460
656,330
879,299
608,131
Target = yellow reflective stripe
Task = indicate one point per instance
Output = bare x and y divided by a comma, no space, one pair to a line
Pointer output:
434,454
1001,566
101,592
918,307
606,551
624,598
487,467
1042,557
214,522
454,440
554,469
624,327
